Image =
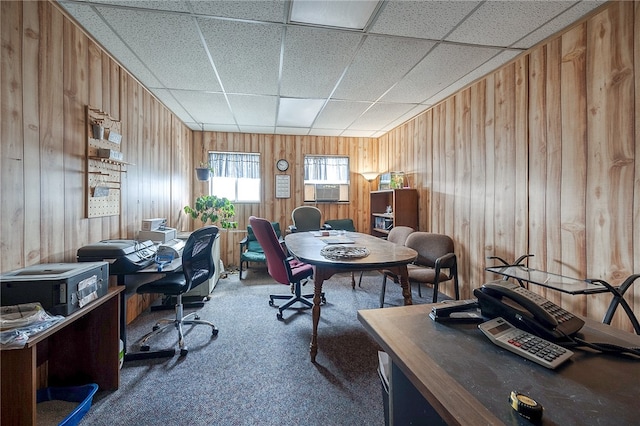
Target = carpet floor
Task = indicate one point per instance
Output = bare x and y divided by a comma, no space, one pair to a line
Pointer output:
257,370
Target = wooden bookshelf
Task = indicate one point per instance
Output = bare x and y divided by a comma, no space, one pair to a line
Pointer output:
404,210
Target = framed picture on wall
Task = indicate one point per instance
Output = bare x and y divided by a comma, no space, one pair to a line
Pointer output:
384,182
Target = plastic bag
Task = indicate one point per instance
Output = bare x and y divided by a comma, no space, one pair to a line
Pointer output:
19,322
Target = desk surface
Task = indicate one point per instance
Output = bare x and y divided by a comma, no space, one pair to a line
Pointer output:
306,247
467,379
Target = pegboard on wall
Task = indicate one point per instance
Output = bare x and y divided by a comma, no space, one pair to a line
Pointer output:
105,164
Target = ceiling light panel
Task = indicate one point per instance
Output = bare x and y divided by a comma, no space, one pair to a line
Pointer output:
314,60
166,42
298,112
423,19
331,13
246,55
378,65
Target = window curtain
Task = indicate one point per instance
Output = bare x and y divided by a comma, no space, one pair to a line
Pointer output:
334,169
235,165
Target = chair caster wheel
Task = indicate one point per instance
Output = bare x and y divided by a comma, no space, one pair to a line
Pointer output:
270,302
214,332
323,300
196,317
155,327
144,348
280,317
184,352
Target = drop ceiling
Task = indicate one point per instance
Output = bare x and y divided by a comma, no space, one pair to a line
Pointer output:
244,66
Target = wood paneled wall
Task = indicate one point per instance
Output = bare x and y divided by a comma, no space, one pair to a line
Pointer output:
50,70
540,157
361,151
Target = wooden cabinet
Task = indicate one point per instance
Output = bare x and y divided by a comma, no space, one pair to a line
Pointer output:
404,210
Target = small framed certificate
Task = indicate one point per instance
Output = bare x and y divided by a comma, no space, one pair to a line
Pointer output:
283,186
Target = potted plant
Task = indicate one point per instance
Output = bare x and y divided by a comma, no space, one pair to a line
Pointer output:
203,171
217,210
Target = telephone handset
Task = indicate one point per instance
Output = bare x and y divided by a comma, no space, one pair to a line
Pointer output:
520,306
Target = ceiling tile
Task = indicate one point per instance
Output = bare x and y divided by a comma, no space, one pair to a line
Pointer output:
482,70
314,60
442,67
423,19
97,27
349,133
257,129
291,131
166,97
165,42
502,23
160,43
560,22
254,110
174,5
259,10
325,132
340,114
208,108
379,115
380,63
246,55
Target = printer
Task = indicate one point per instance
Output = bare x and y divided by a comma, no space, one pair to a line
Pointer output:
156,231
124,256
61,288
171,249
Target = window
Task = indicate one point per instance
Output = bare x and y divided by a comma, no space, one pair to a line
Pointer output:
235,176
326,178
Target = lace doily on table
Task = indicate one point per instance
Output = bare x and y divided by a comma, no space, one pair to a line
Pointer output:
338,252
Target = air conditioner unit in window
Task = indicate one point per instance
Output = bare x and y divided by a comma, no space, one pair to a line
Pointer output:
327,192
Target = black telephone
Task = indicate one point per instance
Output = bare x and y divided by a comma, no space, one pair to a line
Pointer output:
527,310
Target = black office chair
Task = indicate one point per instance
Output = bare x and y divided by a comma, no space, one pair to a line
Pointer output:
197,268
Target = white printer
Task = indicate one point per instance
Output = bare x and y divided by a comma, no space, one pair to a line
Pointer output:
172,248
156,231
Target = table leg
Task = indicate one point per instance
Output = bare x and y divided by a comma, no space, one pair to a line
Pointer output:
404,283
318,279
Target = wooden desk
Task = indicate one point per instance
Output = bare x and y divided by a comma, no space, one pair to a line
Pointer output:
81,349
464,379
383,255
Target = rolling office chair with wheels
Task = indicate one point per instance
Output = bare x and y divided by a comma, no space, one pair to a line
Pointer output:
197,268
282,268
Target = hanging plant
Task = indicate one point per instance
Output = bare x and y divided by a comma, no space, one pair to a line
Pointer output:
203,172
